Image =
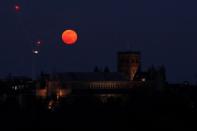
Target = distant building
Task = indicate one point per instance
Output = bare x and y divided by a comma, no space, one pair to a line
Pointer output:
59,84
129,75
16,84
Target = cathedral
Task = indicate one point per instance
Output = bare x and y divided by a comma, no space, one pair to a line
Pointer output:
128,75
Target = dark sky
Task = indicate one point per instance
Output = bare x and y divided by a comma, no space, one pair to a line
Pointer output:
165,31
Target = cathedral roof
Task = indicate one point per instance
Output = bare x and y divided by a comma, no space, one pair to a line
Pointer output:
90,76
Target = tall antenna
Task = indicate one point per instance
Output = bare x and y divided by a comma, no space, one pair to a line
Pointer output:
34,55
35,52
28,35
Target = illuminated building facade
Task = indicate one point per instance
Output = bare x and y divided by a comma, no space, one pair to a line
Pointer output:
129,64
129,75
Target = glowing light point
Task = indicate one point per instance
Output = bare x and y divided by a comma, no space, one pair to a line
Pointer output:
17,8
35,52
38,43
69,37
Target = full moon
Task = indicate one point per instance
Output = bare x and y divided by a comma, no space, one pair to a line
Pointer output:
69,37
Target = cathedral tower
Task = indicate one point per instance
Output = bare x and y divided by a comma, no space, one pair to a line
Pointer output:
129,63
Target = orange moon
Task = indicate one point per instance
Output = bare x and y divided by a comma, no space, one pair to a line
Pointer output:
69,37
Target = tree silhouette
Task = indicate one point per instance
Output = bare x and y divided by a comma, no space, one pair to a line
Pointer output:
106,70
96,69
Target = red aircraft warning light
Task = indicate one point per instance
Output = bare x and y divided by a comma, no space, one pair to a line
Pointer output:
17,8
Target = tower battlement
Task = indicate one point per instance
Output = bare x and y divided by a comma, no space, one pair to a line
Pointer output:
129,63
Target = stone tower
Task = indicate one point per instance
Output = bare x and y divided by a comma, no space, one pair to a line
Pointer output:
129,63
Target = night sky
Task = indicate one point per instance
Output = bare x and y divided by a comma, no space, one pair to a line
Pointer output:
165,31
